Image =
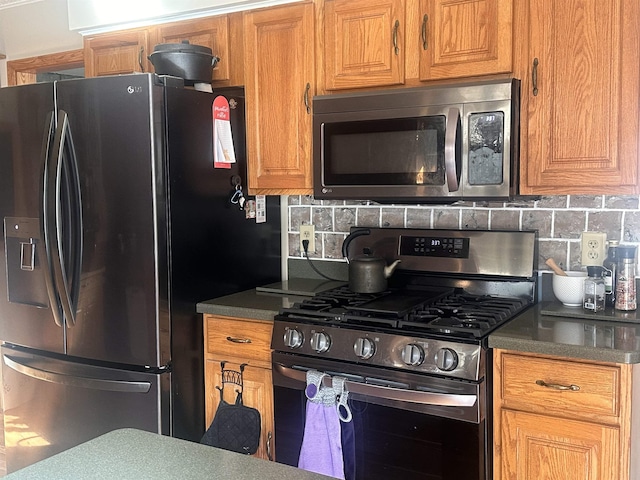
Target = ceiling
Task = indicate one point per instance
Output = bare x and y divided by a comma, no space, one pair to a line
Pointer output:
35,28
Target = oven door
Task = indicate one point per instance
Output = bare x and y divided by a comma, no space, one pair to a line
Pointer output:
406,425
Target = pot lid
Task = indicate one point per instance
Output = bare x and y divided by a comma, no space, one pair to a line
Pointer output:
183,47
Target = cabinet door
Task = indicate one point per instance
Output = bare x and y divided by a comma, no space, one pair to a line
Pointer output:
364,43
279,85
557,449
257,393
580,98
117,53
218,33
464,38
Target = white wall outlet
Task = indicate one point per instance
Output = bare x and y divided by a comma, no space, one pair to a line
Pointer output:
308,232
593,248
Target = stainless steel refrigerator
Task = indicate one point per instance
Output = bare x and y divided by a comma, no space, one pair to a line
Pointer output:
115,225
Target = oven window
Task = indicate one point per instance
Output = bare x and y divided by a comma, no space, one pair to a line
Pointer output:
486,148
390,442
405,151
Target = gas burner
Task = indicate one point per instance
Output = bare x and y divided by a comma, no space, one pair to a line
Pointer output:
436,311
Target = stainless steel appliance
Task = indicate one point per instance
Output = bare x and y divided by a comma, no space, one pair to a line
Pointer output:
415,357
429,144
115,225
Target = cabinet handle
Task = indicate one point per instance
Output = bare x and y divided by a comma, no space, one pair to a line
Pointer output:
238,340
140,57
534,76
557,386
395,37
269,454
425,19
306,98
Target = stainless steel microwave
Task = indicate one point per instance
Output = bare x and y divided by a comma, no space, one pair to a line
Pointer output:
427,144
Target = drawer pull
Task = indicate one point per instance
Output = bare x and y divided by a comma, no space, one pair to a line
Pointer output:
557,386
238,340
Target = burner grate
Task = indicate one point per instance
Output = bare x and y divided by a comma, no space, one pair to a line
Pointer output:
448,312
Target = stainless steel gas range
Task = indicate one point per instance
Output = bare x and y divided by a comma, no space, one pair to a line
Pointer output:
414,357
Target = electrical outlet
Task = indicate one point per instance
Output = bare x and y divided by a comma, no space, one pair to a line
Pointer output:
593,248
308,232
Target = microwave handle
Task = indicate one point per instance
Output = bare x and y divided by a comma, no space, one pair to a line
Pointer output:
450,150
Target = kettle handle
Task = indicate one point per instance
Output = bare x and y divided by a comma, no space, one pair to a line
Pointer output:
356,233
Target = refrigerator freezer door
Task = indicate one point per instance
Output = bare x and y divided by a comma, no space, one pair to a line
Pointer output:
117,128
51,404
26,132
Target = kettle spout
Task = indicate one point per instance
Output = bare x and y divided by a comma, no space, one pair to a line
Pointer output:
388,270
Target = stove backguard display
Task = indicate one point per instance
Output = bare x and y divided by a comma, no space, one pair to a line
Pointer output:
434,246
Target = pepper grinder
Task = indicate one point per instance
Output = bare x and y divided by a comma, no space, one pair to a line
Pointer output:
626,278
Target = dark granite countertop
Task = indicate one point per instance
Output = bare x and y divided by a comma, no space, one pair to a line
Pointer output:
263,303
248,304
549,328
130,454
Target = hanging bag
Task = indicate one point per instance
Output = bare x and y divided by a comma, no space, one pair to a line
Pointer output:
235,427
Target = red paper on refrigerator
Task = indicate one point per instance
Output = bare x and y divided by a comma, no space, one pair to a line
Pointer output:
223,151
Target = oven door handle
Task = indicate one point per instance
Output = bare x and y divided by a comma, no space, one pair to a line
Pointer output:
388,393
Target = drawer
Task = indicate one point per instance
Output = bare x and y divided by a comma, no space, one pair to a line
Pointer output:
227,338
597,395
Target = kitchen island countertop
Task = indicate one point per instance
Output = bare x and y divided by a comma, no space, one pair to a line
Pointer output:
130,454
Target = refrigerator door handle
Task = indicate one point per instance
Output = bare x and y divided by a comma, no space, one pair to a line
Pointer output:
21,365
48,217
63,219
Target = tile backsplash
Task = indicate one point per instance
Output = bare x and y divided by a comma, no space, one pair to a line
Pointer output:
559,220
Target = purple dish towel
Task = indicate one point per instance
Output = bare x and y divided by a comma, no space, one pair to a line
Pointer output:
321,450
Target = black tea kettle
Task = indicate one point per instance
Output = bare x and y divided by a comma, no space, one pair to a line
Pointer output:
367,273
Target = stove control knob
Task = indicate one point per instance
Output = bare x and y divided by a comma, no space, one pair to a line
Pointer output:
364,348
293,338
320,342
413,354
446,359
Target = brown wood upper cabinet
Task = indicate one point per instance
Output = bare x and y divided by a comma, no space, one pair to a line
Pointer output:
222,34
580,97
396,42
126,51
363,43
465,38
117,53
279,86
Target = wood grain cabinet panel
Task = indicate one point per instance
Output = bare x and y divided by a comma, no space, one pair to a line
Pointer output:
466,38
364,43
405,42
597,387
239,338
541,447
564,419
240,341
279,86
257,393
581,92
117,53
221,33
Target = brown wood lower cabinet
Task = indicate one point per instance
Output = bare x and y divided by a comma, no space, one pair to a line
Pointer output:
562,419
240,341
